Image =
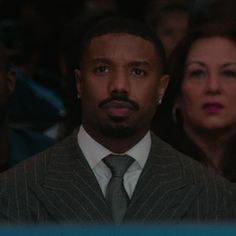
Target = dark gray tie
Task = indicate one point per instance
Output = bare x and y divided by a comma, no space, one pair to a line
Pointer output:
116,195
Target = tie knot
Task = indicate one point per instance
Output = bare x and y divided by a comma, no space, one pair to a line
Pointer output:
118,164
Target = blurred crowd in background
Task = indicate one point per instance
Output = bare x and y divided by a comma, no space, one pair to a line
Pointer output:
39,41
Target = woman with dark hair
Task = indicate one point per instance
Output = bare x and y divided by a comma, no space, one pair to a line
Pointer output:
198,113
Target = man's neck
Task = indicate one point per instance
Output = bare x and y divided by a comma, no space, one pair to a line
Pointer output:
114,144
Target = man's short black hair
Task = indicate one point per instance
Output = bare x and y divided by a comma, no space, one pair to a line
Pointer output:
116,24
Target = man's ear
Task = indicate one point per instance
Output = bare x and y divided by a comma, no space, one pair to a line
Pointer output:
78,81
163,83
11,81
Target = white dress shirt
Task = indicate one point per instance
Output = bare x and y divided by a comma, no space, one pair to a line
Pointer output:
95,152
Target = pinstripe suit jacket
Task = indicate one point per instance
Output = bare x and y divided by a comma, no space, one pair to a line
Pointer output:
58,186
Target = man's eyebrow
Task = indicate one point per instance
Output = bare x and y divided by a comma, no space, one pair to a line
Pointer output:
101,60
131,63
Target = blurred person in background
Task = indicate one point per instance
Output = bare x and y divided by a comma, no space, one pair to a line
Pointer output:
15,144
32,104
169,19
203,11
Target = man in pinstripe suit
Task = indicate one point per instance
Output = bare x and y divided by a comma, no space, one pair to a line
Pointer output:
120,79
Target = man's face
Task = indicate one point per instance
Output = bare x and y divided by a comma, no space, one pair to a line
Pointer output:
120,85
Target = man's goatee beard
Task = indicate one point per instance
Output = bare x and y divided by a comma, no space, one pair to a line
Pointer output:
118,132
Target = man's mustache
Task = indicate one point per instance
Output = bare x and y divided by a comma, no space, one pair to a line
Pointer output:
119,97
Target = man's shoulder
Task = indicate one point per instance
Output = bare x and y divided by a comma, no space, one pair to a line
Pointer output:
64,149
215,193
36,166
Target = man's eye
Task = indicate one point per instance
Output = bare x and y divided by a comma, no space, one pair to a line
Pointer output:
138,72
101,69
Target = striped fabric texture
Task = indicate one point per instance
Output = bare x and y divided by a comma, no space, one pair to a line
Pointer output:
57,186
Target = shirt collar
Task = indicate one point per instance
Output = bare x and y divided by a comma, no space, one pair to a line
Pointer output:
94,152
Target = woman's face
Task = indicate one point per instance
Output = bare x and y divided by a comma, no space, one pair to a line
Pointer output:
208,92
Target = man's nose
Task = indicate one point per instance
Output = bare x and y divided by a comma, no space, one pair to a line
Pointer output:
120,82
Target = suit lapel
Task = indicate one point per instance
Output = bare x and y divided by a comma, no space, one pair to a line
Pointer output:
162,192
70,191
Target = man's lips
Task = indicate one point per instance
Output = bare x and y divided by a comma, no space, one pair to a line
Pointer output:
118,108
212,107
